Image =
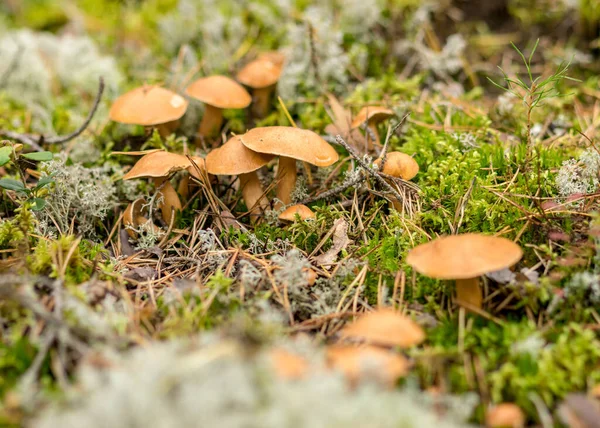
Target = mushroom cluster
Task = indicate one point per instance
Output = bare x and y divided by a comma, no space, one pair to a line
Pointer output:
368,349
367,346
159,108
243,155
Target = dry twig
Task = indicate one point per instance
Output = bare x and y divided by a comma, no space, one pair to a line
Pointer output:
36,141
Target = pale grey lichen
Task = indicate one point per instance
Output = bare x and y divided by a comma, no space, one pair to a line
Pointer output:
85,150
579,176
584,285
532,345
249,275
78,63
216,28
358,17
441,63
147,236
466,139
300,191
307,69
212,382
506,104
291,269
80,196
43,59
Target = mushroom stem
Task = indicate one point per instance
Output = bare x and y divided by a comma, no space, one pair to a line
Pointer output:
253,194
166,129
286,180
261,98
211,121
469,291
170,198
134,217
373,135
183,189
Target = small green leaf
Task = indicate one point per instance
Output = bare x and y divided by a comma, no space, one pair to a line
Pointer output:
44,181
5,153
10,184
38,156
38,204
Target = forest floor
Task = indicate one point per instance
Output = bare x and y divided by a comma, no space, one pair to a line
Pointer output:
217,318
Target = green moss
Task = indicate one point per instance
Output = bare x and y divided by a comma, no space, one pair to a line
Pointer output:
65,258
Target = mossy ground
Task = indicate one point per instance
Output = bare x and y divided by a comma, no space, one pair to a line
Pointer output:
485,166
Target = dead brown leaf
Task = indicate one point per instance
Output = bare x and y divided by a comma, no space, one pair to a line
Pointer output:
340,242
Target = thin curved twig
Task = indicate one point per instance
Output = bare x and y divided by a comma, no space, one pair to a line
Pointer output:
36,141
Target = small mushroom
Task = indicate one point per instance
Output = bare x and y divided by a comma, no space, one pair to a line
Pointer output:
372,115
290,144
505,415
311,276
233,158
150,106
385,327
398,164
134,216
217,93
131,215
367,362
303,211
159,166
261,75
288,366
464,258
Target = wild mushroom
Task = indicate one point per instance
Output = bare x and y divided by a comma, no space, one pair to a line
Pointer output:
261,75
303,211
217,93
159,166
290,144
398,164
371,362
464,258
149,106
385,327
134,216
506,415
233,158
288,366
372,115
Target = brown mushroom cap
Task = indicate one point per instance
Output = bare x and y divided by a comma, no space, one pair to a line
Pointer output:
156,165
463,256
220,92
287,365
260,73
148,106
385,327
398,164
233,158
505,415
302,210
200,163
357,362
376,113
295,143
275,57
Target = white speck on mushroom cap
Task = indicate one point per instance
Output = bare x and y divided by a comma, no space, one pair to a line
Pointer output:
177,101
